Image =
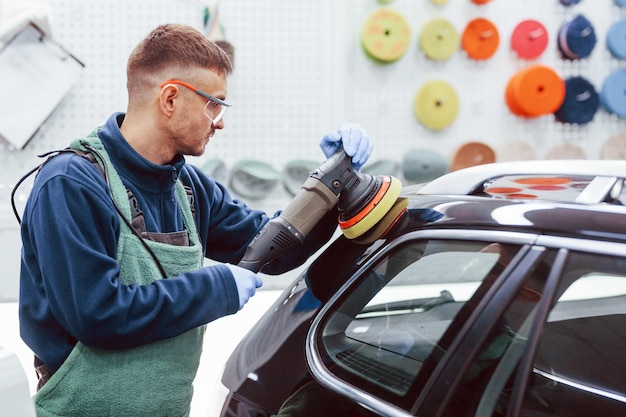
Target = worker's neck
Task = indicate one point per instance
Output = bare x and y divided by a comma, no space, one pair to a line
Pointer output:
145,138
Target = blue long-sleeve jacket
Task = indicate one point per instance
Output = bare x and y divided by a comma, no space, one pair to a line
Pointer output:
69,287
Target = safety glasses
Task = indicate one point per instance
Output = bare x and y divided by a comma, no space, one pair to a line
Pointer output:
214,109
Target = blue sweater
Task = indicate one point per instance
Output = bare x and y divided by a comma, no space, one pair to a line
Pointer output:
69,287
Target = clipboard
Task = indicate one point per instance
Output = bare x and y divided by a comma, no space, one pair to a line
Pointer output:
36,74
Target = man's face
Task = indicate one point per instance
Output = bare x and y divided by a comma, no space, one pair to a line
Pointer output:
199,116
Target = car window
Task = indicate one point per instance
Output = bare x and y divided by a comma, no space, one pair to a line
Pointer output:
386,327
578,367
485,387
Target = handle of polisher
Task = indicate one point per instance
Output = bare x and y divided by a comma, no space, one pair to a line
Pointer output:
317,196
275,238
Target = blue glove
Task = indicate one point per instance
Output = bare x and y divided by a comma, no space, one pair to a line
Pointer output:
356,143
247,282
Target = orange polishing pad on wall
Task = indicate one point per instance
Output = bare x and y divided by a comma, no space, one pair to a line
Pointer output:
535,91
480,39
471,154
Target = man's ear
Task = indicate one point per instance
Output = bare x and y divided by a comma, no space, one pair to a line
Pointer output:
168,99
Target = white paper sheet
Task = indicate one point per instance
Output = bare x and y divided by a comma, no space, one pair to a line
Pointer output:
36,73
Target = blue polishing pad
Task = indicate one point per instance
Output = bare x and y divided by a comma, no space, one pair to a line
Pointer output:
613,94
620,3
577,38
569,2
616,39
581,102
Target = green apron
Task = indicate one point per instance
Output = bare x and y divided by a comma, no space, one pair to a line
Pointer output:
151,380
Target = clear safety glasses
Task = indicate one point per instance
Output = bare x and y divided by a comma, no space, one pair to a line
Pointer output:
214,108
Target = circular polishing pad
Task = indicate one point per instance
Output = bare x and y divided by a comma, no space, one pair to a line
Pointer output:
535,91
613,93
480,39
566,151
438,2
253,179
620,3
480,1
515,151
614,148
423,165
529,39
581,102
471,154
385,224
569,2
375,210
616,39
386,35
576,38
439,39
436,105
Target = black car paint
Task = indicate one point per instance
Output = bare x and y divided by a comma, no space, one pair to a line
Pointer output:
273,351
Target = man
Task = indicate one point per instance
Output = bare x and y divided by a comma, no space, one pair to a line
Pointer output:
114,296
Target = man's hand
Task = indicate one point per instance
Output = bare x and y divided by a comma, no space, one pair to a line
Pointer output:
356,143
247,283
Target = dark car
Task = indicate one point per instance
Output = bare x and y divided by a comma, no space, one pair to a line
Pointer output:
501,291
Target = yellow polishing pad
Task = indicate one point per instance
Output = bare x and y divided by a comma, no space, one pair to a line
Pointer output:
382,227
439,39
438,1
375,210
436,105
386,35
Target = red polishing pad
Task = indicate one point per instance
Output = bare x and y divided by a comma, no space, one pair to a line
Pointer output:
529,39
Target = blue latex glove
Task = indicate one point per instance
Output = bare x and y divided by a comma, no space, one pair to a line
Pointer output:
247,283
356,143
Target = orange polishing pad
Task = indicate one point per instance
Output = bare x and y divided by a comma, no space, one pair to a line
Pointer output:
471,154
535,91
374,211
480,39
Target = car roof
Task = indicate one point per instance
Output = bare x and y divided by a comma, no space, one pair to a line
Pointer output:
584,198
603,176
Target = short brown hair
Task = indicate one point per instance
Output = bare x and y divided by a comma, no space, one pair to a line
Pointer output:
176,47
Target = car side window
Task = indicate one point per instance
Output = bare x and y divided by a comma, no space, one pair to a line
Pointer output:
485,387
382,330
579,366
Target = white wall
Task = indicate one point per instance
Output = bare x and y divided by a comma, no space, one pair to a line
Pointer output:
300,71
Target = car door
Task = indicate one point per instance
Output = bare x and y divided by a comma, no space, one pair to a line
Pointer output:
387,334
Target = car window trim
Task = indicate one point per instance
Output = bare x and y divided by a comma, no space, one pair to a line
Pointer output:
582,245
313,357
543,310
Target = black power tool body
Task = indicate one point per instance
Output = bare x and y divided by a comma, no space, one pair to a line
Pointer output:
335,183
